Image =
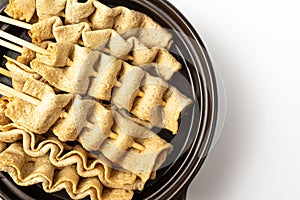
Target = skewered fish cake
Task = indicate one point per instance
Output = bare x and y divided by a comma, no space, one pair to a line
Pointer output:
59,54
120,18
85,167
70,78
107,71
176,102
123,97
149,107
126,22
146,108
81,112
43,30
39,118
96,138
166,64
20,74
26,170
26,56
140,163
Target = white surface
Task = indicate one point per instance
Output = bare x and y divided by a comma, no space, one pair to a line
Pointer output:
255,44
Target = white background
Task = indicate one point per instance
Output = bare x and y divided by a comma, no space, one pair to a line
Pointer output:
256,46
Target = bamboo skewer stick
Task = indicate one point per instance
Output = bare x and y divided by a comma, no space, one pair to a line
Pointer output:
21,65
24,43
15,22
11,46
5,72
107,51
14,93
10,92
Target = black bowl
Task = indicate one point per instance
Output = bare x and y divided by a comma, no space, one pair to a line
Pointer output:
197,125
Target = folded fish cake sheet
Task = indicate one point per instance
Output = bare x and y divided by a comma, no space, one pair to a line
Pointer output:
176,102
161,107
92,138
72,78
21,10
68,129
103,17
60,54
49,8
20,75
70,33
128,22
26,170
149,107
143,163
43,30
124,95
78,11
60,157
83,114
107,69
26,56
37,118
3,105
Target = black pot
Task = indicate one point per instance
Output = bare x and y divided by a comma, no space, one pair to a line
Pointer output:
198,123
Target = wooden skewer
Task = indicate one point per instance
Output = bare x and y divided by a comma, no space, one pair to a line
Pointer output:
134,144
115,136
15,22
24,43
10,92
21,65
5,72
11,46
118,84
131,58
107,51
